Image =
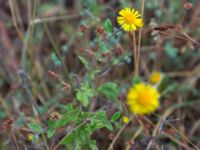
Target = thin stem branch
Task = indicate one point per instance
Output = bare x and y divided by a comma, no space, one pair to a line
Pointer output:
138,132
55,48
15,140
140,34
57,18
135,54
84,122
11,5
118,134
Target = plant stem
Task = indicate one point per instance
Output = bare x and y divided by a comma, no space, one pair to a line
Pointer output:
14,18
137,133
15,140
60,142
135,55
140,34
118,134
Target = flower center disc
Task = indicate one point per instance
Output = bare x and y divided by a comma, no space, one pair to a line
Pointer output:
129,19
144,98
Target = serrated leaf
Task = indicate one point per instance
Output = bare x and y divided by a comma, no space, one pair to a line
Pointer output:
102,46
68,139
35,127
108,125
116,116
84,62
69,107
108,26
51,132
93,74
109,89
67,118
85,93
83,98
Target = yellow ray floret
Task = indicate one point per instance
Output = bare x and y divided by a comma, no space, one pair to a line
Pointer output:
143,99
125,119
129,19
155,77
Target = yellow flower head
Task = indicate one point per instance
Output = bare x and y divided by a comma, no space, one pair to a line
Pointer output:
125,119
129,19
143,99
155,77
30,137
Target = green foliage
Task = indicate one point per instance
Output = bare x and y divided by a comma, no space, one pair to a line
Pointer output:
92,6
85,93
171,51
68,118
2,114
116,116
86,123
84,62
110,90
108,57
55,59
108,26
35,127
103,48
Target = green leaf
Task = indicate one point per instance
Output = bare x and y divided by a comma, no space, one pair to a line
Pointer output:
51,132
171,51
93,73
69,107
68,139
108,125
83,98
69,117
84,62
85,93
35,127
108,26
109,89
92,145
102,46
116,116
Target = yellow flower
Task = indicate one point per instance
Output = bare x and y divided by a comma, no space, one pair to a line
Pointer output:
155,77
129,19
125,119
143,99
30,137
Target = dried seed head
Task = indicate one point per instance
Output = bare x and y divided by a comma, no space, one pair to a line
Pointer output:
91,53
66,86
100,30
8,124
82,29
130,142
54,116
188,5
53,74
